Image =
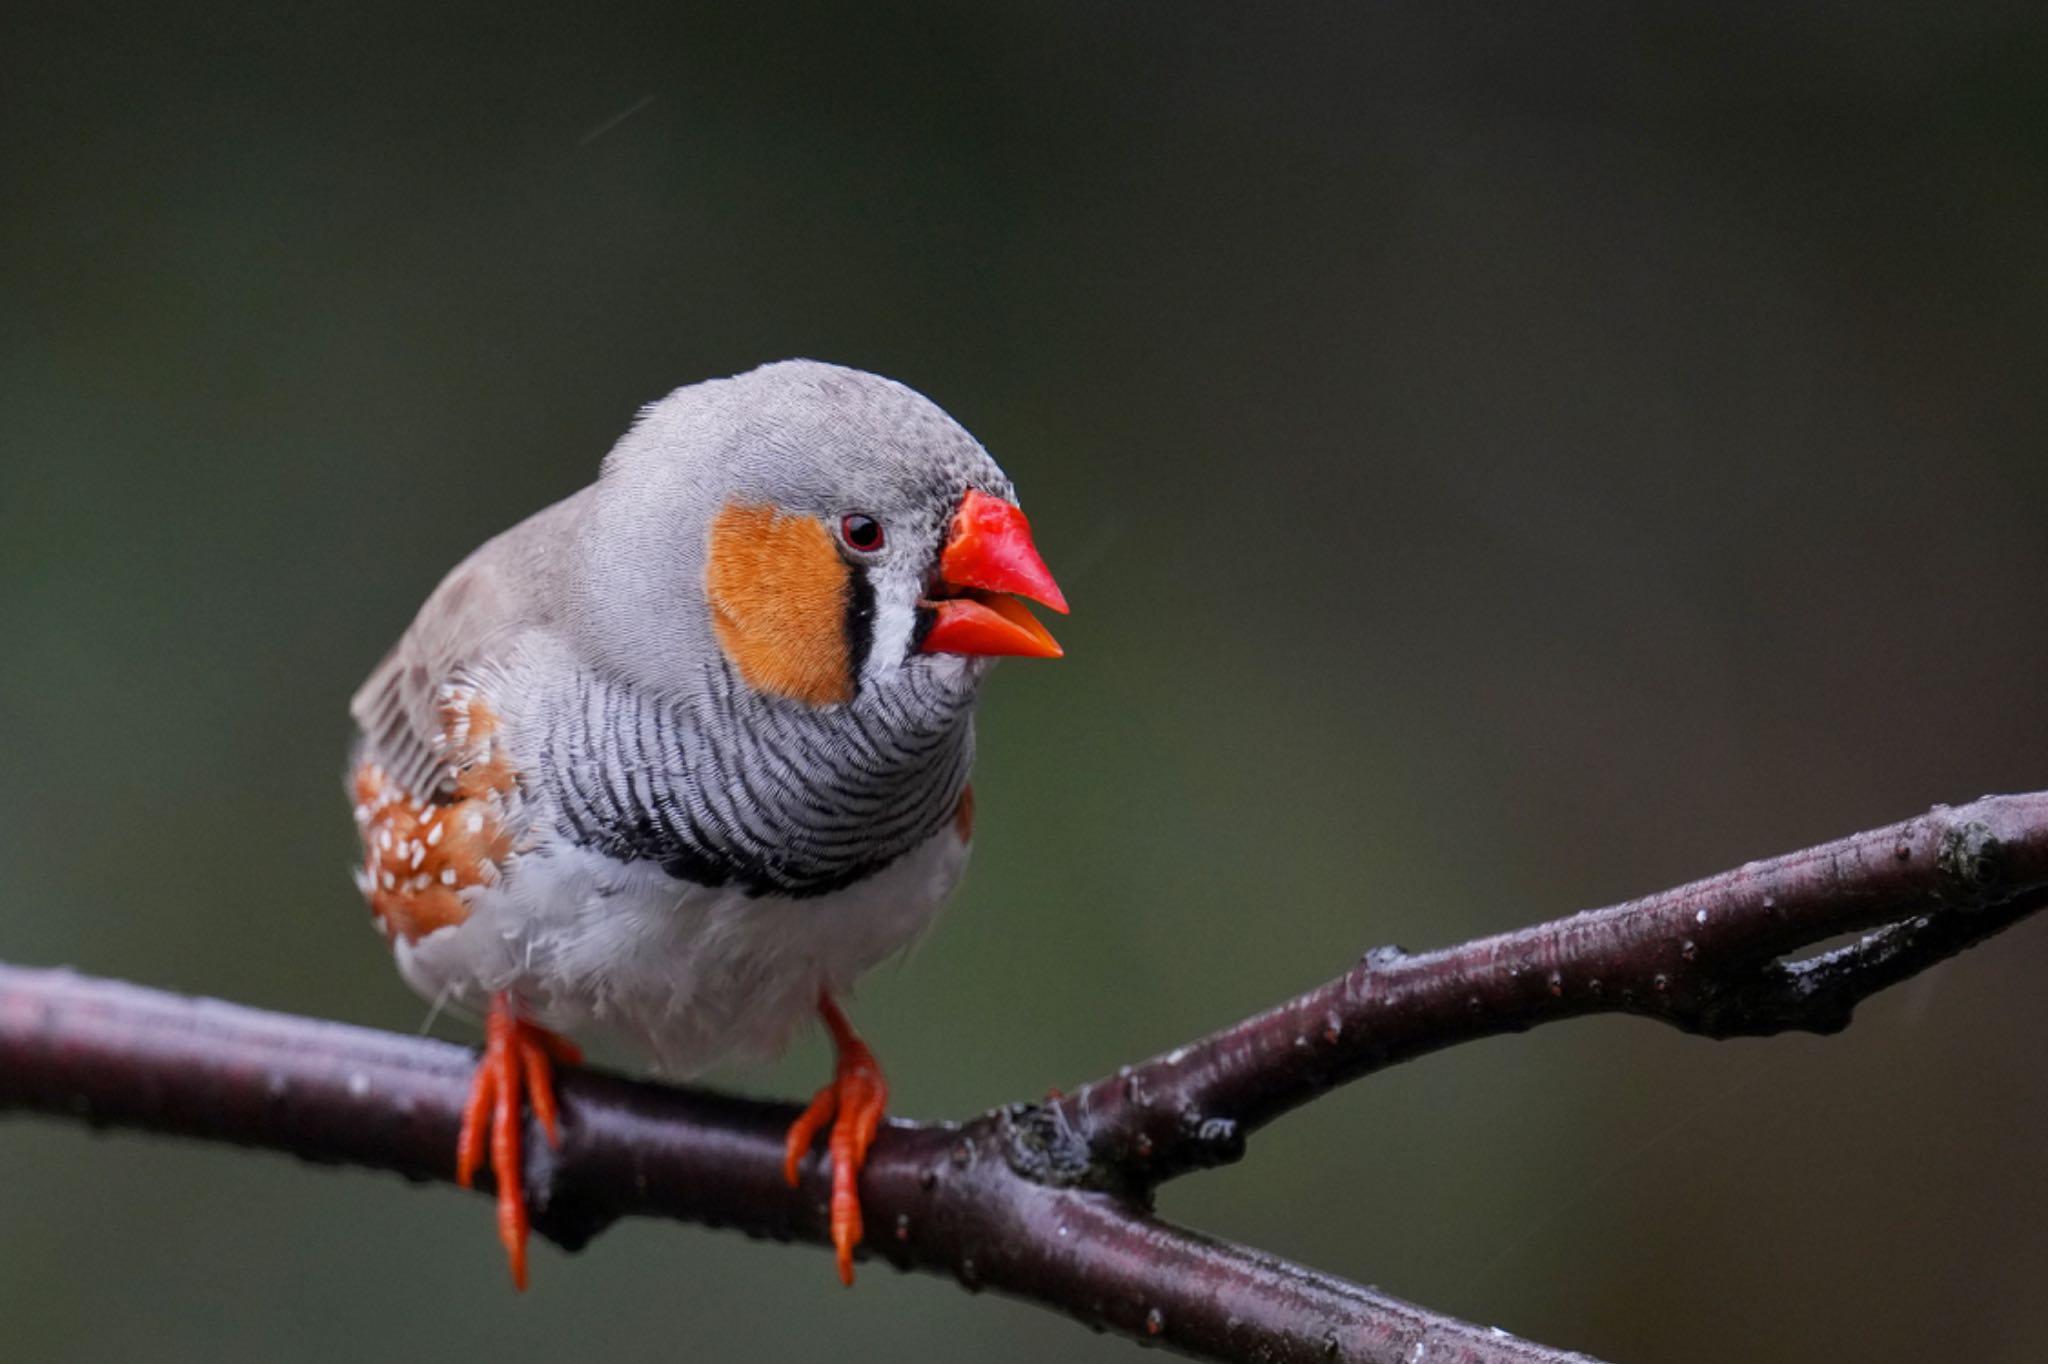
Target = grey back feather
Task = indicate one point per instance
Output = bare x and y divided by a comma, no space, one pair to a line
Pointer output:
509,586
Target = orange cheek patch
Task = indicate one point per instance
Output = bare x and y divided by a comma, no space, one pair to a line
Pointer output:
963,814
778,591
418,856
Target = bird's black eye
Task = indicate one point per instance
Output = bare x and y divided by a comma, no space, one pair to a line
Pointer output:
862,533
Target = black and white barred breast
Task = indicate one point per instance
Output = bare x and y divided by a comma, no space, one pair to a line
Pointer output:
731,788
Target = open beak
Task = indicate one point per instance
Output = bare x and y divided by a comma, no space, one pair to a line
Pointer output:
989,562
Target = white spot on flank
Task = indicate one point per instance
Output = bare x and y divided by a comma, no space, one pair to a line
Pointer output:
447,876
419,854
390,881
474,823
434,834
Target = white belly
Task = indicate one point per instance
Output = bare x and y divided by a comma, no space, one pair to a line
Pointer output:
581,939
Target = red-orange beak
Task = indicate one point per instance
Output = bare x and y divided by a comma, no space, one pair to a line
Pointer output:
988,562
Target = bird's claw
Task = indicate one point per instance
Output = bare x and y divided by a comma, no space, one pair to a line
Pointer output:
518,1061
852,1103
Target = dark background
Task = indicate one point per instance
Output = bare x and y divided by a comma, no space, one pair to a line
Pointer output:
1503,460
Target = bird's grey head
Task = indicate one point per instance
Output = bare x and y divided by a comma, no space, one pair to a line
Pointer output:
790,520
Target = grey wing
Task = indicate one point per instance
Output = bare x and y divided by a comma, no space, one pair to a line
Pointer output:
475,617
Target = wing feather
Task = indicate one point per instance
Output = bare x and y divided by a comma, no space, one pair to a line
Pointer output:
475,618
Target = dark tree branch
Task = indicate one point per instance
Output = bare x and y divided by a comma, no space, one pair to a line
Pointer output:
1050,1202
1710,958
944,1198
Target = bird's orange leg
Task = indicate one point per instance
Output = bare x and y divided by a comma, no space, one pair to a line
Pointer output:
853,1104
518,1060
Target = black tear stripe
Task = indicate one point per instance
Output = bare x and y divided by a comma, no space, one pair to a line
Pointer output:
770,797
860,622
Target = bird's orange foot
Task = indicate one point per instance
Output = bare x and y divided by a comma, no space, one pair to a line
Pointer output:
853,1104
518,1058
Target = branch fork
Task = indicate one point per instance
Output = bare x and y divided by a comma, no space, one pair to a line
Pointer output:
1051,1201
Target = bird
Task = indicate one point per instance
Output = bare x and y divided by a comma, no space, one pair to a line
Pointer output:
681,756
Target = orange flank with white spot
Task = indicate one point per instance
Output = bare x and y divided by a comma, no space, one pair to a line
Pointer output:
419,855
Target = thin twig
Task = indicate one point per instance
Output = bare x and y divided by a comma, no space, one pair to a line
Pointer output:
1050,1202
1709,958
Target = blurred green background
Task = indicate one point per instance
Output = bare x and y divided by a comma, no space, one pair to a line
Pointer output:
1504,459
